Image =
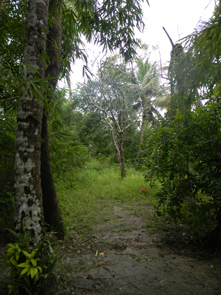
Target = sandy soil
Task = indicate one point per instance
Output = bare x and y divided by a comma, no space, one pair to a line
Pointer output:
122,257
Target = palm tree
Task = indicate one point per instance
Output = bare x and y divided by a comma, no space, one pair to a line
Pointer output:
148,87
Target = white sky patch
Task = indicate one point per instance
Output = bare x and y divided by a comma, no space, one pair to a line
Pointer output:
179,17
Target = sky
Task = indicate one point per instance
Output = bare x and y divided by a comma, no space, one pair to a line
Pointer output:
179,17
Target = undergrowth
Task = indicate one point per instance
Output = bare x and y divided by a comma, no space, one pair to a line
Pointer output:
87,195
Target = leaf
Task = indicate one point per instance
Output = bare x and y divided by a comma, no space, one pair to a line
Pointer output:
27,255
13,261
33,272
34,262
24,264
33,69
11,246
17,256
37,90
100,262
40,269
25,270
11,288
33,254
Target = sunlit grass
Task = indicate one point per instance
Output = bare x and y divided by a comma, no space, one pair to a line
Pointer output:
88,195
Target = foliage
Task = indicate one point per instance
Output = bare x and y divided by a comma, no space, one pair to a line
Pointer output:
66,151
110,24
148,87
30,266
149,90
7,144
12,15
95,134
203,54
184,154
65,147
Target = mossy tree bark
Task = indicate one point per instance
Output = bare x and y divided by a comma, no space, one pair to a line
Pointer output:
28,192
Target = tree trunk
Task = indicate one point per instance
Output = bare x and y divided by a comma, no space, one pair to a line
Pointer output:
141,137
123,172
28,192
52,213
116,147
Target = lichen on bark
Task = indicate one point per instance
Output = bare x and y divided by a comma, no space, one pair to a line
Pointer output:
28,192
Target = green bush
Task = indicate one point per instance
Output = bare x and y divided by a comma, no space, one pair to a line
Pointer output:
184,154
68,155
30,266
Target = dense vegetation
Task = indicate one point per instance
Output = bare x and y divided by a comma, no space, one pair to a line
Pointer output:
181,150
111,124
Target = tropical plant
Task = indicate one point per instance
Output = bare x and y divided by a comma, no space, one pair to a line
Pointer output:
30,267
148,87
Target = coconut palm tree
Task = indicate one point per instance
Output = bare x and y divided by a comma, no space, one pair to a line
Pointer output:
148,87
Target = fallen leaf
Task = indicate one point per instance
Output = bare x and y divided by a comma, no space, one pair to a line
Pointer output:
161,282
101,254
100,262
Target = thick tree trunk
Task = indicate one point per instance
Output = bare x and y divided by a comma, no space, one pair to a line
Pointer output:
123,172
52,213
28,192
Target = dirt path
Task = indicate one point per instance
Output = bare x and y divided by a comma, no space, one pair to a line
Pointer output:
122,257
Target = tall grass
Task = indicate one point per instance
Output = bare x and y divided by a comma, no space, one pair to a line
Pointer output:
87,195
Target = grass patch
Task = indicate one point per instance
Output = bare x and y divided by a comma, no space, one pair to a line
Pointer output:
87,195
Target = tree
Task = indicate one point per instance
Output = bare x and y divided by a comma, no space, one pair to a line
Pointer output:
113,96
181,73
52,213
203,54
28,192
148,87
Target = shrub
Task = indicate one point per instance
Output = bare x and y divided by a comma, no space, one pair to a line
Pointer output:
30,266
